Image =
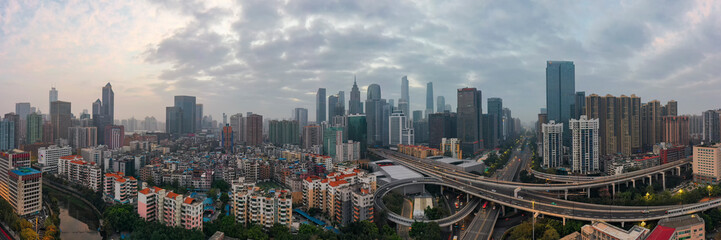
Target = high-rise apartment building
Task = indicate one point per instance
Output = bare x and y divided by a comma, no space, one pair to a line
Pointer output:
552,144
711,132
283,132
707,164
254,130
227,138
332,136
584,135
21,186
354,105
469,120
675,130
579,105
619,122
429,98
82,137
345,195
651,124
300,115
320,110
560,91
49,156
312,136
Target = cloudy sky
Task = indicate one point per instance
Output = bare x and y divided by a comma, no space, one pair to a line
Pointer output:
269,56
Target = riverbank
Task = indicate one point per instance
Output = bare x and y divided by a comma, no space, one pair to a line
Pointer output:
77,220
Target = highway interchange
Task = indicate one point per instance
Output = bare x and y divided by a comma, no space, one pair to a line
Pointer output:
503,191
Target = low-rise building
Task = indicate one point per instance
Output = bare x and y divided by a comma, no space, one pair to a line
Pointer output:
605,231
74,169
49,157
120,188
251,205
689,227
169,208
419,151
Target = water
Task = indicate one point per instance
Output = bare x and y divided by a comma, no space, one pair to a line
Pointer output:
77,221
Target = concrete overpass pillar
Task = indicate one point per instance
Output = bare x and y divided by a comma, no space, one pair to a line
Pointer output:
503,210
564,221
441,189
588,191
565,195
650,180
633,181
622,224
663,180
678,170
613,189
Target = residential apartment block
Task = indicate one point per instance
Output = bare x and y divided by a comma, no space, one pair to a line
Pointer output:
74,169
120,188
251,205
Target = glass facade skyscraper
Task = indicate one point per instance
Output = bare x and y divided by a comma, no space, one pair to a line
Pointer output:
320,106
560,92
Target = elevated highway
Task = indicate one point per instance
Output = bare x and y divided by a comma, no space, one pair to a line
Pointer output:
676,165
508,194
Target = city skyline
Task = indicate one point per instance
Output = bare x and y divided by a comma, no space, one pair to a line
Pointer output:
666,59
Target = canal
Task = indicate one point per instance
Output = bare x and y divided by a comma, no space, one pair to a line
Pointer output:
77,220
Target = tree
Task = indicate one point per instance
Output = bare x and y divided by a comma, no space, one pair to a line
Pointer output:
224,198
220,184
279,231
213,193
432,213
256,232
550,234
120,218
28,234
425,231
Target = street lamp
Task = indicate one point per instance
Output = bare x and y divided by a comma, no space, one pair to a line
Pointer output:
709,190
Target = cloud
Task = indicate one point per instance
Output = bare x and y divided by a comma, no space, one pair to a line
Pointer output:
267,56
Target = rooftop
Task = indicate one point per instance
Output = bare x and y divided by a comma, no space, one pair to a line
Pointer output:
661,233
634,233
681,222
24,171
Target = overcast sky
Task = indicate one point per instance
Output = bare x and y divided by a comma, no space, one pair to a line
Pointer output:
270,56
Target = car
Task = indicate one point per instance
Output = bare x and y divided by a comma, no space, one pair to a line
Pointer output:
553,203
646,212
493,190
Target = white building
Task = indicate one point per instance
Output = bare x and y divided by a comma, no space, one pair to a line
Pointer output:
76,170
552,144
584,133
349,151
252,205
20,185
49,156
399,131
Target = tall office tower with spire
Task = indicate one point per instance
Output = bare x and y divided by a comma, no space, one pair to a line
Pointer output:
377,113
441,104
560,92
53,96
354,105
320,110
405,101
470,113
429,98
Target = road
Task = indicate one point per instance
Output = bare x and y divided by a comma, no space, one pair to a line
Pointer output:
482,225
4,235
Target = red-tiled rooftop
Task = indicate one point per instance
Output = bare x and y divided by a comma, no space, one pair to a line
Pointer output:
337,183
188,200
172,195
661,233
71,157
145,191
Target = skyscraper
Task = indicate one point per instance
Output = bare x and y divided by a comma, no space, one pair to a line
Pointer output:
109,103
7,135
405,101
312,136
417,115
470,120
199,117
358,131
333,108
495,112
227,139
354,105
236,122
675,130
579,105
15,119
282,132
320,106
34,128
300,115
552,144
429,98
650,124
441,104
560,91
60,113
398,125
22,109
377,112
53,96
186,107
441,125
711,127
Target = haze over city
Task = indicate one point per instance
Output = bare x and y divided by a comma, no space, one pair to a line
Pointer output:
239,56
